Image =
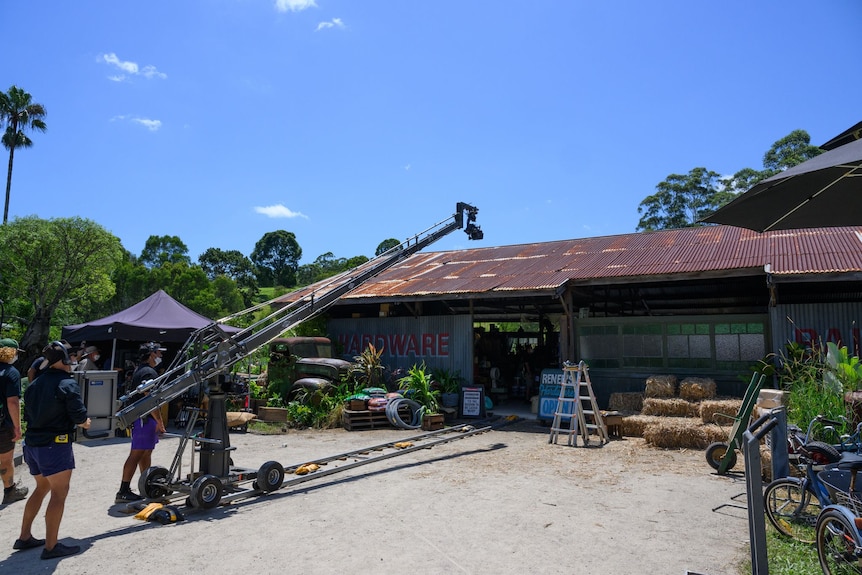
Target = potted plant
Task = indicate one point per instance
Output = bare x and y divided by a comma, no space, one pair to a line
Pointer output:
449,383
417,385
275,410
256,396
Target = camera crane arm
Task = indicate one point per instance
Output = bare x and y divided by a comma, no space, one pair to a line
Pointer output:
210,351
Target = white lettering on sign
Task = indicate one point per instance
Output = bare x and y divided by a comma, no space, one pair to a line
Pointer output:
552,378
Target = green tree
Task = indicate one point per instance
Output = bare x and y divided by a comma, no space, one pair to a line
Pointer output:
682,200
231,264
787,152
386,245
132,281
20,114
276,257
160,250
306,274
54,263
326,265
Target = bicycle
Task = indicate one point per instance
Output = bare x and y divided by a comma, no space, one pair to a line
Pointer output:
793,504
837,530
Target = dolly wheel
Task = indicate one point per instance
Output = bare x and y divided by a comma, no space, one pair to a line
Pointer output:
153,483
270,476
716,452
205,492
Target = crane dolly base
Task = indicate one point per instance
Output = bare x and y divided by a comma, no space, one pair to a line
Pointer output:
203,491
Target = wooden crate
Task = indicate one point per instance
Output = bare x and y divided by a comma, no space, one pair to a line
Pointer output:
354,420
432,422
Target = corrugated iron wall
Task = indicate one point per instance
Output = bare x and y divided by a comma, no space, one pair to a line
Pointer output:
444,342
818,323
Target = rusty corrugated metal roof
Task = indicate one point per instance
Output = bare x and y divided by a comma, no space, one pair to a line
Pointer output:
548,265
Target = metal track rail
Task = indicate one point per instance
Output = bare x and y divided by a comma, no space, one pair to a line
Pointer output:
242,483
381,452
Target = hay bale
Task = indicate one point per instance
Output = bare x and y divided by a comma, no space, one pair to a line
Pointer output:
765,463
697,388
634,425
716,433
673,407
677,433
628,401
660,386
720,411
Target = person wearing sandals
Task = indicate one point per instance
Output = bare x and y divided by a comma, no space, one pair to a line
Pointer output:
52,409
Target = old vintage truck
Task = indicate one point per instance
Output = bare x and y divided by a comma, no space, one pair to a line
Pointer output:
303,363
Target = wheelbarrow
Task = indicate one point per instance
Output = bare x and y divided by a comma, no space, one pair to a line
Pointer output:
721,456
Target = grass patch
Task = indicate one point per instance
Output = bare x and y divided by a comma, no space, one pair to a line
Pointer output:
786,556
266,428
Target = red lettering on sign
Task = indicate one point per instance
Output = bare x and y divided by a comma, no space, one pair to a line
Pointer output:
398,344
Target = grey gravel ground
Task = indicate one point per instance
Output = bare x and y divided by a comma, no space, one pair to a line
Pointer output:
504,501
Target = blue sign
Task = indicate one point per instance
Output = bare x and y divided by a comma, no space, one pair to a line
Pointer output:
550,384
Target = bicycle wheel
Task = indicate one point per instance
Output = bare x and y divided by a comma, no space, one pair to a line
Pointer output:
791,509
837,543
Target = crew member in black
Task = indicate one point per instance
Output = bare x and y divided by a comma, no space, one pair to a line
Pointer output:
52,408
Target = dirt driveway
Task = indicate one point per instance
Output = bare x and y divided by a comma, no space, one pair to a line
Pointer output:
504,501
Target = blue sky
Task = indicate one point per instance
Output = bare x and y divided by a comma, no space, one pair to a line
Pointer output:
348,122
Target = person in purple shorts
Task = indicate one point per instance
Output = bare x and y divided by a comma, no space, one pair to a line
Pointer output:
52,408
145,430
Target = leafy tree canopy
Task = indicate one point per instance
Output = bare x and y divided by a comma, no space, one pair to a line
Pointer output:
326,265
160,250
386,245
276,256
682,201
61,264
233,265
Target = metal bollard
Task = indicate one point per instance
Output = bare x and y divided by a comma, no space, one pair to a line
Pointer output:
754,488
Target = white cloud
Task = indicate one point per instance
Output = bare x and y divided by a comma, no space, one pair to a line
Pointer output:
278,211
151,125
130,68
294,5
334,23
151,72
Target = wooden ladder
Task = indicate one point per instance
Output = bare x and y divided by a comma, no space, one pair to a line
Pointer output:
577,402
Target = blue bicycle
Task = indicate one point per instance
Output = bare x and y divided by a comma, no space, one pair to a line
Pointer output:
792,503
837,531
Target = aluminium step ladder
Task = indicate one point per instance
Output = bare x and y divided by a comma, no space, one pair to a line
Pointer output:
578,403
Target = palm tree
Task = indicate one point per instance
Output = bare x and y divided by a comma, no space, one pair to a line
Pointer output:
20,114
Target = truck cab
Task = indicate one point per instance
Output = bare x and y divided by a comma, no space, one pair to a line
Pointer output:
303,363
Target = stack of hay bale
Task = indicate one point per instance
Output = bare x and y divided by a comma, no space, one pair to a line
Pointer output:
671,416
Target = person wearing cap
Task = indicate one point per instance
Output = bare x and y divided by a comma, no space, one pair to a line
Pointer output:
145,430
10,419
89,359
52,409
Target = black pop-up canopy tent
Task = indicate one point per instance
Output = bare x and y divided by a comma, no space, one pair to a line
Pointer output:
158,318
